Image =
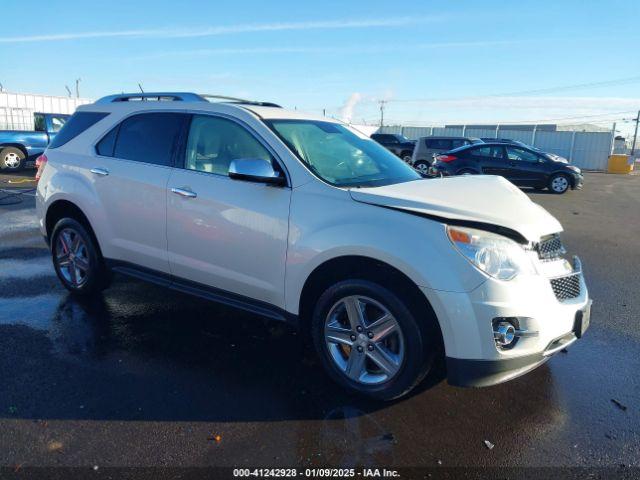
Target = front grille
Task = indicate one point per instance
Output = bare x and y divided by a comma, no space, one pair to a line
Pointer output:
566,288
550,247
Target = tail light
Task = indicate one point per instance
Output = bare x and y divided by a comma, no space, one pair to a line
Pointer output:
446,158
41,161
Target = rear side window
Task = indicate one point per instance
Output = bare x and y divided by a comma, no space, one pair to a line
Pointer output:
77,124
57,123
38,121
107,144
439,144
148,138
490,152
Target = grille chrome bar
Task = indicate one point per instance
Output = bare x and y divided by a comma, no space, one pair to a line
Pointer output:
550,247
566,287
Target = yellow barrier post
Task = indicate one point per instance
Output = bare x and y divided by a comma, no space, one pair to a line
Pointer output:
619,163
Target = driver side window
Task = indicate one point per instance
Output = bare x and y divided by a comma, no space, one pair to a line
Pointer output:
214,143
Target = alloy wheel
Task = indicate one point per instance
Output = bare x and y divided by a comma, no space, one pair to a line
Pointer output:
72,257
364,340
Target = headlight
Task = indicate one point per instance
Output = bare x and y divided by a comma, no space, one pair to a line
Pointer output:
498,256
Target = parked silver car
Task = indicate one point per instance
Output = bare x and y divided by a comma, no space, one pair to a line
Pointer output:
427,147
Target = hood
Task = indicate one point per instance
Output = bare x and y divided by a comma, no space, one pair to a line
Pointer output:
557,158
474,198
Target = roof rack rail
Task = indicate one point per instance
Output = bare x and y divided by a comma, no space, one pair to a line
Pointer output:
240,100
178,97
153,96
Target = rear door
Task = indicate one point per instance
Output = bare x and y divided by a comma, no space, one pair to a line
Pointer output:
224,233
490,159
526,168
130,170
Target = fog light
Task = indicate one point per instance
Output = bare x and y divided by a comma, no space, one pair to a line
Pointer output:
504,333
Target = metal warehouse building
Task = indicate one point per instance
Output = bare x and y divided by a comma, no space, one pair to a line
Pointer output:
17,109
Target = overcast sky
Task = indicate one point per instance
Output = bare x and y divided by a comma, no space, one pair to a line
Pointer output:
434,61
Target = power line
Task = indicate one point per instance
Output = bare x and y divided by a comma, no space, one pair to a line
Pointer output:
577,86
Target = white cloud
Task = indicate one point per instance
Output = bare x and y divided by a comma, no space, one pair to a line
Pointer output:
342,49
231,29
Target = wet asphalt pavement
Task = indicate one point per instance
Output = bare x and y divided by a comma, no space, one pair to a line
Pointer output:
146,376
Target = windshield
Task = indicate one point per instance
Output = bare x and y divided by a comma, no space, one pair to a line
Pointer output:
340,155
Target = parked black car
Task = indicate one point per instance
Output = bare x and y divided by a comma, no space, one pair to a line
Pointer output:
396,143
520,165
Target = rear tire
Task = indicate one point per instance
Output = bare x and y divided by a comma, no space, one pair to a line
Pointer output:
76,258
559,183
12,159
391,358
421,166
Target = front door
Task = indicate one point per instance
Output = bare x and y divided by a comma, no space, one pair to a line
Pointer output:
526,168
224,233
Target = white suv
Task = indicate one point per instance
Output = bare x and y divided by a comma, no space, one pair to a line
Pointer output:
306,220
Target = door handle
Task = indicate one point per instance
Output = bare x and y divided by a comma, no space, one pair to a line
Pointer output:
100,171
184,192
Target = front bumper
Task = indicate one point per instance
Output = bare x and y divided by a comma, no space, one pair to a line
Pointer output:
578,181
466,320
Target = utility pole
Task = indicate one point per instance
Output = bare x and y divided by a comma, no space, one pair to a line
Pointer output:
382,104
68,90
78,87
635,135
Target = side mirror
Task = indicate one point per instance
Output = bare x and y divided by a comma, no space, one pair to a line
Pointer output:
255,170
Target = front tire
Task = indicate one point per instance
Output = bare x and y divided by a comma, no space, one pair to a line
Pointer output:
12,159
76,258
559,183
369,341
406,157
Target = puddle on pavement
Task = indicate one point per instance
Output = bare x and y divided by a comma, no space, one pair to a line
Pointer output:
13,221
27,268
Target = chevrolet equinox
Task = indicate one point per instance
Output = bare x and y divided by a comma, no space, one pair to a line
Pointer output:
306,220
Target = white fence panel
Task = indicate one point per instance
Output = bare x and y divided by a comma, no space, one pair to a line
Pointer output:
555,142
524,136
480,132
17,109
591,150
413,133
